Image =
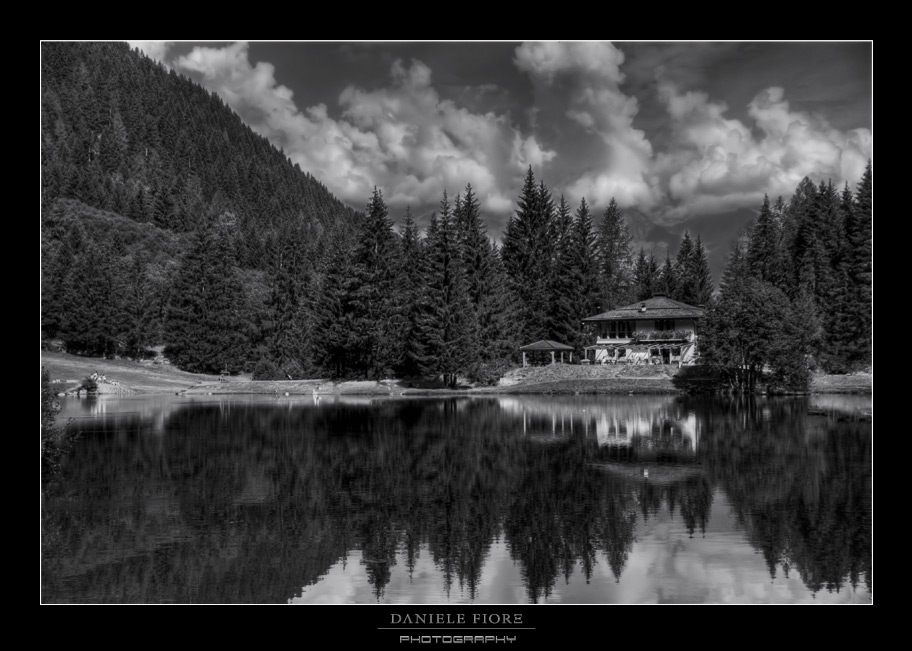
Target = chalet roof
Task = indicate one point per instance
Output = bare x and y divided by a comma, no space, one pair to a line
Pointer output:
546,344
657,307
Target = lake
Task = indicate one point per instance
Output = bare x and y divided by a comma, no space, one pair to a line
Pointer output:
501,499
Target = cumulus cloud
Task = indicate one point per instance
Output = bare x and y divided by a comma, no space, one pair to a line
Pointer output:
403,138
581,135
710,163
582,80
714,164
157,50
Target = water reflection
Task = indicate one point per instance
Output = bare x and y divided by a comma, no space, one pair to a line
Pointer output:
494,499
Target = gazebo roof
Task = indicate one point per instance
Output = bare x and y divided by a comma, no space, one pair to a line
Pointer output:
657,307
546,344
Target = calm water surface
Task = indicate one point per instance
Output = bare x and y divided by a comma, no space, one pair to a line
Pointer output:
584,499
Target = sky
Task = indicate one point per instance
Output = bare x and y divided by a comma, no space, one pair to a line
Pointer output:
684,135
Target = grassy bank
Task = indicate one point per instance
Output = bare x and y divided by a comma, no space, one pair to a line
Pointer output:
124,376
855,383
127,377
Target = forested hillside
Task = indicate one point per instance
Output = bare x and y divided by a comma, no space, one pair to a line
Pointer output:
123,134
136,161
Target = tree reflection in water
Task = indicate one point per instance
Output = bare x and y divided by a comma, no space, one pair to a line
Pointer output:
247,502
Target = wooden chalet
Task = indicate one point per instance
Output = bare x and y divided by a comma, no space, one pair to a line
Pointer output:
658,330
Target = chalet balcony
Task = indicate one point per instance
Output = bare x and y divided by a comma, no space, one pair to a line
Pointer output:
657,336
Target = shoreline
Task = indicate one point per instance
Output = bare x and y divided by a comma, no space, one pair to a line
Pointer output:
147,378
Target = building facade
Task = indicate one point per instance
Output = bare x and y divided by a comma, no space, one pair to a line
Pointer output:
658,330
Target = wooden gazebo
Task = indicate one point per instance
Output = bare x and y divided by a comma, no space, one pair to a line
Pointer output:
547,346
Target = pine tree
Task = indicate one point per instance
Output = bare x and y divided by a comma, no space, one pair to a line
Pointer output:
562,231
499,317
59,254
204,326
616,257
411,252
765,244
832,288
527,256
137,328
562,325
802,242
334,347
645,276
445,322
737,268
484,283
378,325
91,302
584,275
667,282
287,336
859,268
702,277
474,250
686,284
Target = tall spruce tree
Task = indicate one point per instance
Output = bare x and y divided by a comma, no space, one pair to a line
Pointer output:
474,248
645,276
484,278
409,278
686,285
832,288
584,288
334,346
138,318
527,255
561,319
693,278
59,256
204,328
737,268
702,277
499,317
92,301
616,257
667,282
802,241
378,325
288,345
445,321
765,245
859,261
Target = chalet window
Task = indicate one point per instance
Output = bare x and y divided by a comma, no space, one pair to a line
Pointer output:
665,324
619,329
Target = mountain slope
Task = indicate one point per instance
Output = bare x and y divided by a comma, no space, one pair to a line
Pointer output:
121,133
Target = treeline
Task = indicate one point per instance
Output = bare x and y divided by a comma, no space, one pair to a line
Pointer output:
796,293
446,302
